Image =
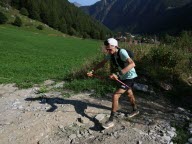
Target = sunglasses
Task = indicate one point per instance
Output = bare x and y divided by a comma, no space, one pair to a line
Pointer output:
109,49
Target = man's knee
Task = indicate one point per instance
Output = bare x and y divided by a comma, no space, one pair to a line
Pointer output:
116,96
130,93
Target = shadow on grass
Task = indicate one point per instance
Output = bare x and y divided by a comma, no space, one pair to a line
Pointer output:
79,106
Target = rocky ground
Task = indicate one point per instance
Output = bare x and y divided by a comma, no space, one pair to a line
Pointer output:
52,117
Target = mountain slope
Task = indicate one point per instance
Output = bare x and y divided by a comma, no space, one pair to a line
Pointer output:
175,20
63,16
133,15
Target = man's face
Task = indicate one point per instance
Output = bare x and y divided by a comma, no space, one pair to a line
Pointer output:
110,49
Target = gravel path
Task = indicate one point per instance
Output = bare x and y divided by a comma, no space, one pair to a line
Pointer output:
28,116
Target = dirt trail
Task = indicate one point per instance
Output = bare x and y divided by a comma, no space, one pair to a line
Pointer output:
48,118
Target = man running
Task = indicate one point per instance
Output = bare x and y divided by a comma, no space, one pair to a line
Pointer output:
126,73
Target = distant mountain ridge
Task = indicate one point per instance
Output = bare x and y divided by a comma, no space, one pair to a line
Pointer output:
77,4
139,16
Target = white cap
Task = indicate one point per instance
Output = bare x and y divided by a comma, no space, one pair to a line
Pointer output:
112,42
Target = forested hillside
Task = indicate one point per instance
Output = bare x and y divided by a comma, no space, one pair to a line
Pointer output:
141,16
61,15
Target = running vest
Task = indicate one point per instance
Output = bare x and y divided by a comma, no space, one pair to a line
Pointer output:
118,62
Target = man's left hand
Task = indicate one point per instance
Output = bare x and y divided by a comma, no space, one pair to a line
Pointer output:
113,76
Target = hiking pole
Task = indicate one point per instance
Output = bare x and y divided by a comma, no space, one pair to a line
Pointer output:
122,83
115,79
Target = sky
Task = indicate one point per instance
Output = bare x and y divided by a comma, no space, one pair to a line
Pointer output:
84,2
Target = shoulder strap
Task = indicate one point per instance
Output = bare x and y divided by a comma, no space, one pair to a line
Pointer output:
118,61
129,52
118,53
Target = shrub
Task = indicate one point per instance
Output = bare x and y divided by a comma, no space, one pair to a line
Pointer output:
166,63
165,57
24,11
85,35
3,18
40,27
184,42
168,39
71,31
18,21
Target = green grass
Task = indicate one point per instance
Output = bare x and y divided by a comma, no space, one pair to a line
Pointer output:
100,87
27,57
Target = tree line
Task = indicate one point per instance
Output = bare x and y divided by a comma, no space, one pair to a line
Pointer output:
63,16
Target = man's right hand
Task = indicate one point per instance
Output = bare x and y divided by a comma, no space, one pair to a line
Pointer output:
90,73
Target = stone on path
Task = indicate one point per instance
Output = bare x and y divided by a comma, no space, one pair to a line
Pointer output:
100,117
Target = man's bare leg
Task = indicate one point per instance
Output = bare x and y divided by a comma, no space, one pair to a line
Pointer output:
131,98
133,103
115,104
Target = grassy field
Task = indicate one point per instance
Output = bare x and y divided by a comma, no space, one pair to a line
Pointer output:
29,57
